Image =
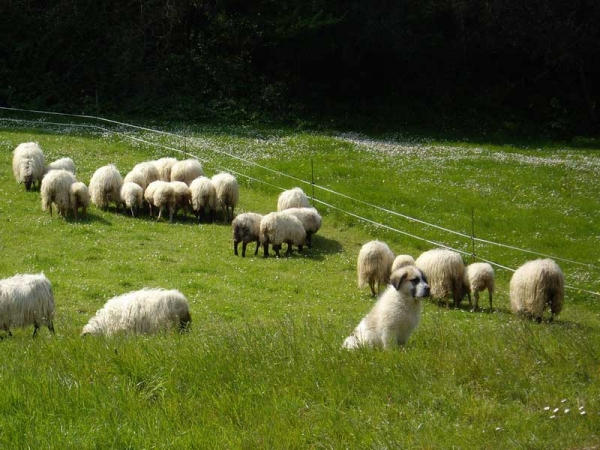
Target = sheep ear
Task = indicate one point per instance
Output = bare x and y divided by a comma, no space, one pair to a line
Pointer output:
397,279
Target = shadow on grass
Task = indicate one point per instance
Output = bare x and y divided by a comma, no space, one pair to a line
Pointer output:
88,219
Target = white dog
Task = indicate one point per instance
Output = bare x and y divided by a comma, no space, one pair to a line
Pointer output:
395,314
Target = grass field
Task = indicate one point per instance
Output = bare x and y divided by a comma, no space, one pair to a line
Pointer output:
262,366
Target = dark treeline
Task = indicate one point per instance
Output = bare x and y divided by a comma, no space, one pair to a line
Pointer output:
442,61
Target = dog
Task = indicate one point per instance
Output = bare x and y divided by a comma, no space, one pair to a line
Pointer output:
395,314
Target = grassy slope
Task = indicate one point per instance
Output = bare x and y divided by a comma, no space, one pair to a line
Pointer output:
262,366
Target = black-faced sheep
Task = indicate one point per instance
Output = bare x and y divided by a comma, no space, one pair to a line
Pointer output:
478,277
56,189
292,198
444,269
277,228
79,197
227,193
132,196
401,261
62,163
246,229
373,265
311,221
536,285
28,164
26,300
141,312
105,186
187,171
204,196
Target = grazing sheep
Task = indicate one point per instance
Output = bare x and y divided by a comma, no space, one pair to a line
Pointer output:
164,165
182,196
160,194
277,228
292,198
28,164
132,196
138,177
311,221
26,300
187,171
401,261
535,285
478,277
246,229
374,265
444,269
56,189
204,196
144,311
79,197
149,170
62,163
227,193
105,186
396,313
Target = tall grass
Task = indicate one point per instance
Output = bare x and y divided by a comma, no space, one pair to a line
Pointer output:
262,365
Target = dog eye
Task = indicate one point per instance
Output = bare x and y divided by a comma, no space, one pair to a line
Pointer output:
415,281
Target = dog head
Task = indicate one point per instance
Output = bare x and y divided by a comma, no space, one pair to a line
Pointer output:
411,280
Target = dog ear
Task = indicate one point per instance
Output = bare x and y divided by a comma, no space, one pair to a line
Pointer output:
397,278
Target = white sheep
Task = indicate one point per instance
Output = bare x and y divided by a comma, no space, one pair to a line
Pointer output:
138,177
164,166
246,229
62,163
401,261
26,300
444,269
187,171
141,312
56,189
149,170
476,278
292,198
396,312
160,194
182,196
227,193
79,197
204,196
311,221
132,196
374,265
277,228
105,186
28,164
535,285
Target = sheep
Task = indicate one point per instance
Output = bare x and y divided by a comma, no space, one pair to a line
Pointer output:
149,170
79,197
182,196
138,177
187,171
105,186
476,278
535,285
28,164
26,299
160,194
401,261
246,229
311,221
164,165
227,193
204,196
141,312
444,269
374,265
277,228
292,198
56,189
62,163
132,196
395,314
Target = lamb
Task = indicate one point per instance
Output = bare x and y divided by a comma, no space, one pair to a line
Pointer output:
105,186
138,177
277,228
28,164
227,193
396,313
132,196
182,196
535,285
56,189
444,269
62,163
149,170
204,196
292,198
401,261
374,265
187,171
26,300
478,277
141,312
160,194
246,229
311,221
164,166
79,197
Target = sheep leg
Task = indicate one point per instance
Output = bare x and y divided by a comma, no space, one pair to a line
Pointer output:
372,286
470,302
266,249
244,244
159,214
309,240
36,327
476,295
256,251
490,292
289,248
300,247
277,248
235,246
51,327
